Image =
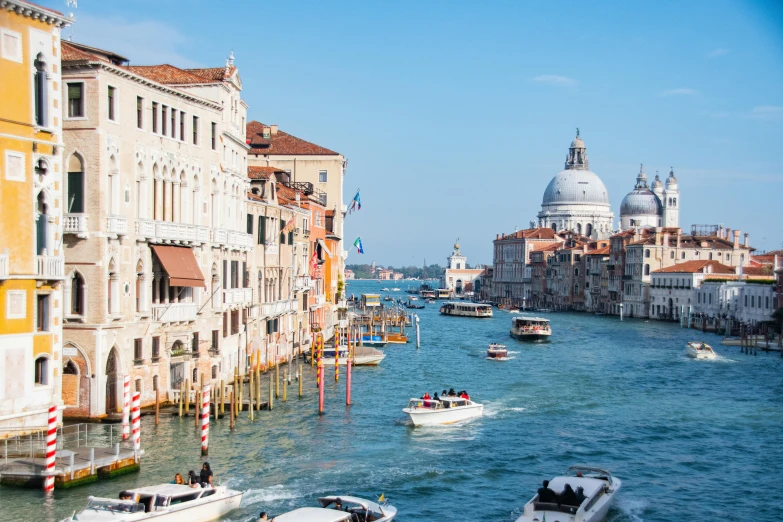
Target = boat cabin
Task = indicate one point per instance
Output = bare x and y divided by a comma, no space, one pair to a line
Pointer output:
465,309
359,508
371,300
164,496
531,324
595,483
442,293
441,404
311,514
113,506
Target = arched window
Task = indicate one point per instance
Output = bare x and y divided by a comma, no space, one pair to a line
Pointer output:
141,192
155,383
42,371
710,256
646,269
157,194
674,202
141,288
69,368
579,228
113,289
214,372
41,225
138,385
77,294
75,185
647,253
554,227
576,272
195,376
41,91
589,229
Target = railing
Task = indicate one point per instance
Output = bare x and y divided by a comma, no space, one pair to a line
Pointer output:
237,296
320,299
303,283
303,186
75,224
240,239
174,312
171,231
277,307
219,236
3,266
52,267
116,225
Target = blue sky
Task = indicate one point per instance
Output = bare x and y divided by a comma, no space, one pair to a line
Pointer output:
454,116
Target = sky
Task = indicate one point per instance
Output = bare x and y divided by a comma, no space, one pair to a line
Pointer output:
454,116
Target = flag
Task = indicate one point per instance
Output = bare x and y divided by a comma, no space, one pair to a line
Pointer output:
356,203
314,264
382,498
358,245
289,226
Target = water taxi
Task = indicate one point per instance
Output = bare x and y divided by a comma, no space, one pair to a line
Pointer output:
497,351
530,328
443,293
700,350
427,294
466,309
363,356
598,486
371,300
349,509
396,338
446,410
165,503
395,289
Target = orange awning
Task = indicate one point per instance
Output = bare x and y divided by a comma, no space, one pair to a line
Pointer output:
180,264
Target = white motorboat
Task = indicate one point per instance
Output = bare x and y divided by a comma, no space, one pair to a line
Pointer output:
447,410
165,503
466,309
395,289
351,509
599,489
530,328
700,350
385,289
497,351
363,356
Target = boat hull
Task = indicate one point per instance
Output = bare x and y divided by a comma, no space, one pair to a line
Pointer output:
366,360
497,354
530,336
424,417
695,353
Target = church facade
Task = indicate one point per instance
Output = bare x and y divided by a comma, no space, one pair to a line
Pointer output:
457,277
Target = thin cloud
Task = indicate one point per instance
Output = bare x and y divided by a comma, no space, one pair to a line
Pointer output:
147,42
717,53
766,112
682,91
553,79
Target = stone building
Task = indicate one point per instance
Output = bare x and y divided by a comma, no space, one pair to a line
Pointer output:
156,284
595,268
511,257
457,277
32,358
576,199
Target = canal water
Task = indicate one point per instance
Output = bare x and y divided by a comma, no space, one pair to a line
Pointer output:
691,440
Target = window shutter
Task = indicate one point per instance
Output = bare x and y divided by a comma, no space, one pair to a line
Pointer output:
262,230
250,223
291,238
282,234
74,91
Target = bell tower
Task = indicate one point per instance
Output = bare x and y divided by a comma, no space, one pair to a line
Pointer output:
456,260
671,201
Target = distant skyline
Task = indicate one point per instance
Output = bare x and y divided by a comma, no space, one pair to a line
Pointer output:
454,116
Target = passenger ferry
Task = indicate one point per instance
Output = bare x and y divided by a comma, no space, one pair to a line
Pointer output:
464,309
443,293
530,328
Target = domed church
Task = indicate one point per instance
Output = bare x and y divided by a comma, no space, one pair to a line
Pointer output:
576,199
657,206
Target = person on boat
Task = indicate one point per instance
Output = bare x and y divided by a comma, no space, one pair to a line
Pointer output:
452,393
568,496
338,504
126,495
178,479
206,475
426,396
193,479
545,494
436,398
464,395
263,516
580,495
444,394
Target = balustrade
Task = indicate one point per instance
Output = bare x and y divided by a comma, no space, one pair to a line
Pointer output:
50,267
75,224
174,312
116,225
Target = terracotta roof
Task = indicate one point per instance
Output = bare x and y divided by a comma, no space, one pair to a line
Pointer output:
263,172
168,74
71,53
598,252
690,267
757,270
213,74
281,143
330,213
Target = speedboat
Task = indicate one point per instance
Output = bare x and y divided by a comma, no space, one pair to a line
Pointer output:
447,410
599,486
363,356
395,289
351,509
700,350
384,289
497,351
165,503
530,328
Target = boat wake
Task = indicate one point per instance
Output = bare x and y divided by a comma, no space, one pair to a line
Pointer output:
495,409
271,494
499,358
630,509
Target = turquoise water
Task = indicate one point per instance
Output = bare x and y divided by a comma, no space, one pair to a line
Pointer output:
691,440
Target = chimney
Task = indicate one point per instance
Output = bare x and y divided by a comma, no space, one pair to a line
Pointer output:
266,132
273,129
658,236
708,268
666,239
745,244
728,234
498,236
736,238
720,231
775,264
679,233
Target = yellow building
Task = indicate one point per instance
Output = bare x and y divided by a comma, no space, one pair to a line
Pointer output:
31,180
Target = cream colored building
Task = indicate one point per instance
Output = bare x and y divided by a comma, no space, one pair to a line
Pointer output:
155,226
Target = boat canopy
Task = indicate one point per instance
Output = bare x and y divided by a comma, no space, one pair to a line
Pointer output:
311,514
346,501
524,319
117,506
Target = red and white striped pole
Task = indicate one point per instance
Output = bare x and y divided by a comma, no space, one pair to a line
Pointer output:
51,449
205,420
126,407
136,421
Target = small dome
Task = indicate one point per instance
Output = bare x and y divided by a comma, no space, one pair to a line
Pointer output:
656,184
577,143
671,180
576,186
641,202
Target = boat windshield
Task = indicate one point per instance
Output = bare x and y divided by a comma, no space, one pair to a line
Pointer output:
123,506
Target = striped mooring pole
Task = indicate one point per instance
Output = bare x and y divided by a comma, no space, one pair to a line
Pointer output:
136,422
51,449
205,419
125,407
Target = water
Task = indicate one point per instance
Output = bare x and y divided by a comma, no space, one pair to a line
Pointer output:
691,440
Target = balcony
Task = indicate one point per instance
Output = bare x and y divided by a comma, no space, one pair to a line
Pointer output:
170,232
50,267
320,300
3,266
238,296
75,224
240,239
174,312
117,225
277,307
303,283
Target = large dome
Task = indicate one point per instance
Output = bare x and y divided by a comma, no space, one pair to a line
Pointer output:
576,186
641,202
